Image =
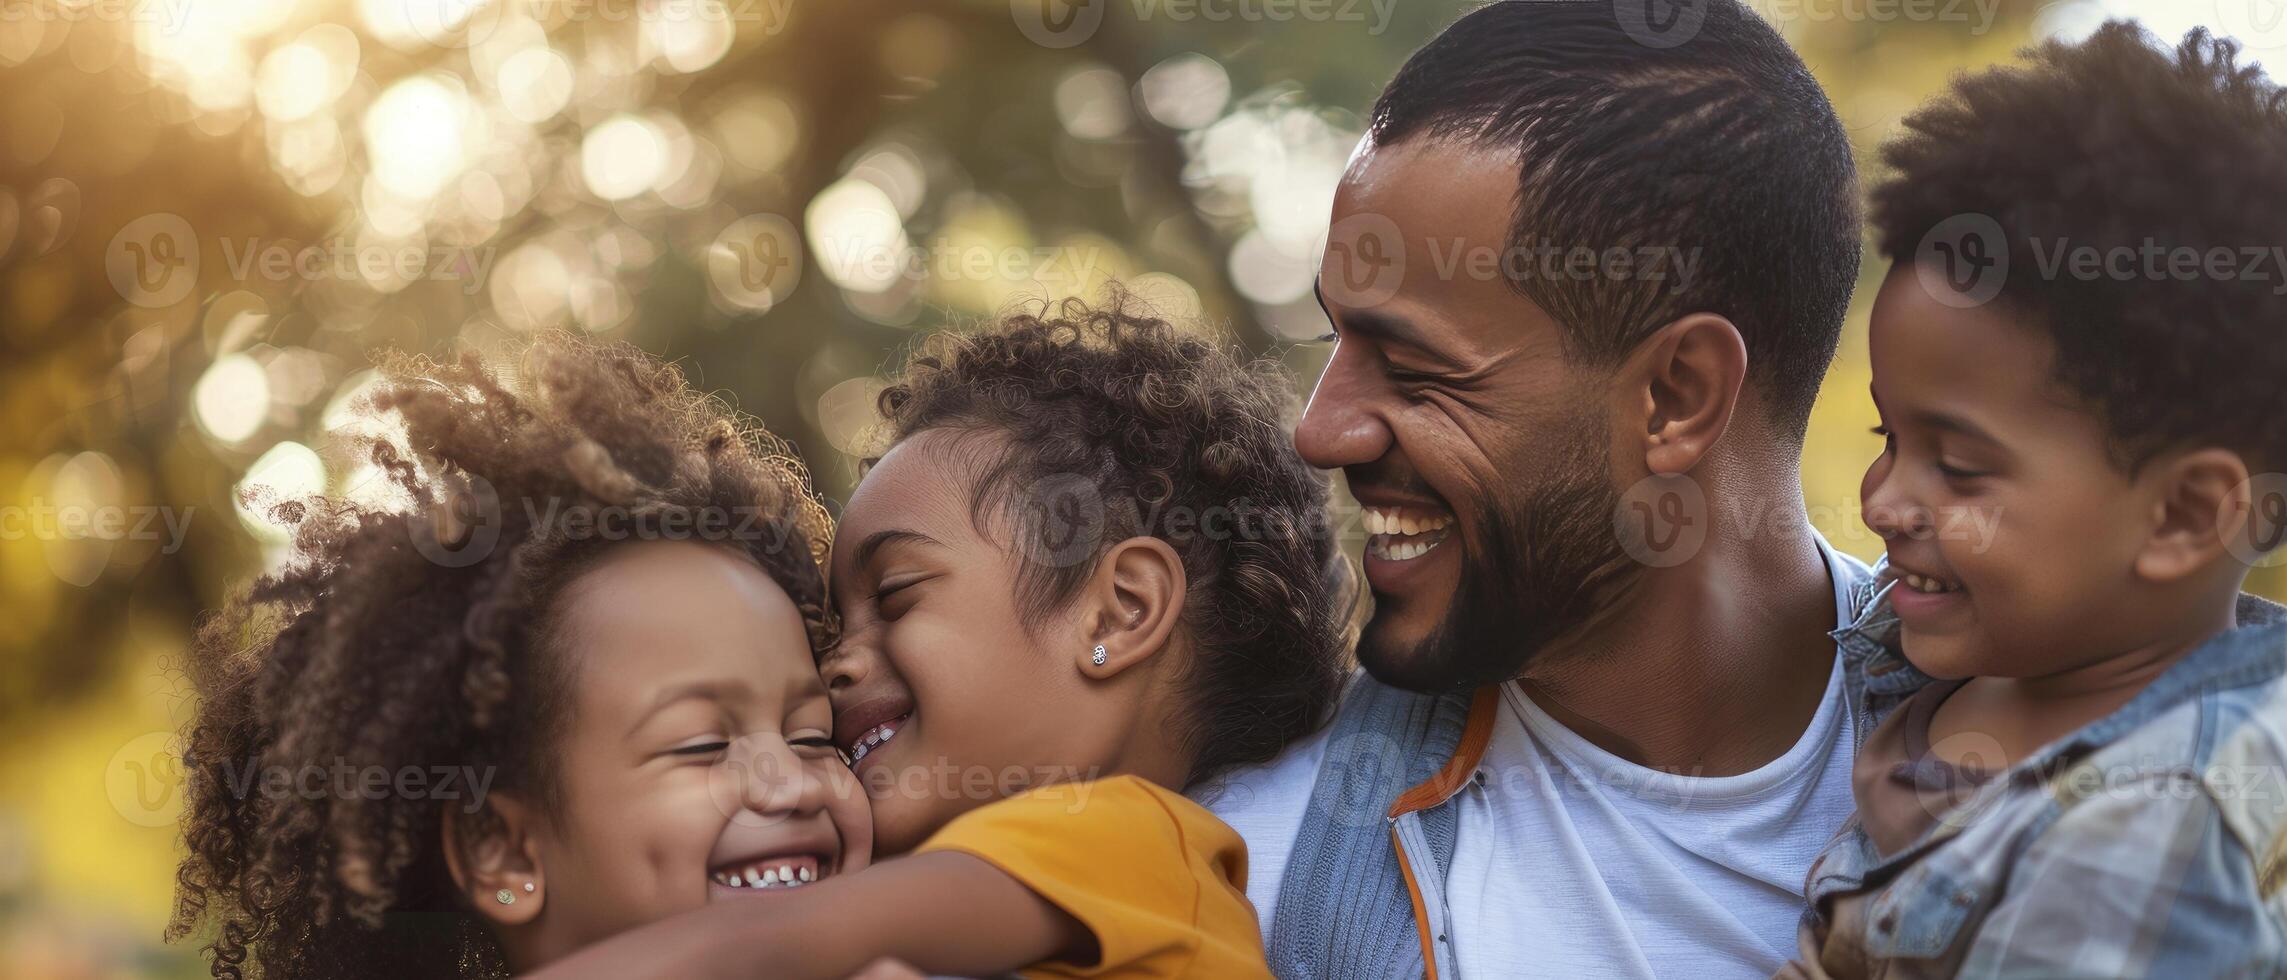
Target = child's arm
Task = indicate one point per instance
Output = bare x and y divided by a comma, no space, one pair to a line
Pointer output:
943,912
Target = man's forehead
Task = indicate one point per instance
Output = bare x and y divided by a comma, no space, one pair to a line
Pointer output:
1449,204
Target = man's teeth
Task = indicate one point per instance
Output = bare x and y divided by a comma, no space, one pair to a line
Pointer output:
1394,520
1395,534
874,738
1388,548
1924,583
769,873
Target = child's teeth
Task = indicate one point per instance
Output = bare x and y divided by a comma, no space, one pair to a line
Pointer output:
809,875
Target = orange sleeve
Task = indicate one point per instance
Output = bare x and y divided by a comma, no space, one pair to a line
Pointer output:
1158,880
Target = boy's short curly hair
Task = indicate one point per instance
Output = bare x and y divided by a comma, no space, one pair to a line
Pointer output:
415,638
2116,144
1117,426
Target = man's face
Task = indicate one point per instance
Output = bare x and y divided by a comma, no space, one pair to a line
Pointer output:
1478,449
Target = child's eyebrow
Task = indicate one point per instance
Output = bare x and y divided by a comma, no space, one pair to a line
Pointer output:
713,690
884,538
1953,423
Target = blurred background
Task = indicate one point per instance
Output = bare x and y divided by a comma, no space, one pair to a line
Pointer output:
213,211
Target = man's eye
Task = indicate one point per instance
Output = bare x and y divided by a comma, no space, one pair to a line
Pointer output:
815,742
699,748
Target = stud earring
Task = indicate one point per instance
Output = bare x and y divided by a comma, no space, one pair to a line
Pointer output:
527,888
1097,658
504,897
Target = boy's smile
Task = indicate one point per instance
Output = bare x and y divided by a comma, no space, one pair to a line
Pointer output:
1927,601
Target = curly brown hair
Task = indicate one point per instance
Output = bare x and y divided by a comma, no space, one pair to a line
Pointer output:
419,638
2116,146
1117,422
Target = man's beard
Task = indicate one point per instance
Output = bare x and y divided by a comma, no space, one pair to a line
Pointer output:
1537,569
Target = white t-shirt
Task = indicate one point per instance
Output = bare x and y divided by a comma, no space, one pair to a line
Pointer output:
1572,862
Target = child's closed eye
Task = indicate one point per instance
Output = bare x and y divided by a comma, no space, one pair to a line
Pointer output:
898,597
701,749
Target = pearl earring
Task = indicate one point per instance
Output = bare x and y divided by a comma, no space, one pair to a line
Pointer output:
527,888
1098,657
504,897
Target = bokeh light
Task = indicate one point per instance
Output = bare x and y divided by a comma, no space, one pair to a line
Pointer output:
782,197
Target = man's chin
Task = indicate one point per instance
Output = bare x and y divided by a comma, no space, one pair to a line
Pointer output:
1428,661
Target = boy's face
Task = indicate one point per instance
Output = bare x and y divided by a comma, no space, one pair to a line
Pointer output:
2010,526
699,744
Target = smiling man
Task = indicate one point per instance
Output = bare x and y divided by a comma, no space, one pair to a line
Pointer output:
1584,280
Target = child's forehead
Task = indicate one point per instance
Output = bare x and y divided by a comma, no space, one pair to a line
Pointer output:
923,484
654,608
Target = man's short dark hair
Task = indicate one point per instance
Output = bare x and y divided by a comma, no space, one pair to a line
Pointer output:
2117,144
1722,146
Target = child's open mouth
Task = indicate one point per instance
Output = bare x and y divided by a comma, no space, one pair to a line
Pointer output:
863,728
1925,584
876,736
774,871
1926,601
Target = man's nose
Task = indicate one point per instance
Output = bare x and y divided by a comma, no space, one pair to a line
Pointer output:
1340,427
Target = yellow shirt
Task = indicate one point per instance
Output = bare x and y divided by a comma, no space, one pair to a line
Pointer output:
1159,880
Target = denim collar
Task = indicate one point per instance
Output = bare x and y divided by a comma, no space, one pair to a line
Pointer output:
2253,652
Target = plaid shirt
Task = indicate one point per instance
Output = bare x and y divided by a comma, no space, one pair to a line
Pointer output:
2146,844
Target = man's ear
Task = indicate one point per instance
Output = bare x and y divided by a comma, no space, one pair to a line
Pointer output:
495,859
1687,377
1134,602
2199,507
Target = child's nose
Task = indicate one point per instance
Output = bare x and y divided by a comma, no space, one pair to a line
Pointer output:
776,782
1890,512
846,665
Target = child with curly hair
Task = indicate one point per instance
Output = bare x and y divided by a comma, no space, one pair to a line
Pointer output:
2079,381
569,690
1089,570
